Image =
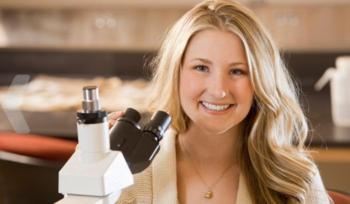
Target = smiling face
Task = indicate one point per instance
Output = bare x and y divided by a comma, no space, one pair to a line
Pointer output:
215,89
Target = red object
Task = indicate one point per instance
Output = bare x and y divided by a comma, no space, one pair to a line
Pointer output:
339,198
39,146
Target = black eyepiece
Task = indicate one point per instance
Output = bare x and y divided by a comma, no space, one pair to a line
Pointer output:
132,115
160,121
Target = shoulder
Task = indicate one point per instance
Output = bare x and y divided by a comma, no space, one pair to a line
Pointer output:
317,193
140,191
150,182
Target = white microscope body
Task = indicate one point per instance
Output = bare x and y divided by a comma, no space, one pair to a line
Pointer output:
94,174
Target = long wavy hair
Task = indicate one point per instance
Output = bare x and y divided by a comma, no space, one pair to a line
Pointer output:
272,156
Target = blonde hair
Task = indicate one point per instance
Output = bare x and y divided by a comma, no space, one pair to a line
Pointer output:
272,149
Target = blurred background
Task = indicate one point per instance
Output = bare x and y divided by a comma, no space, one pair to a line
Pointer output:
50,49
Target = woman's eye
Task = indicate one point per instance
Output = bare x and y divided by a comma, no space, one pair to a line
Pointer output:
201,68
237,71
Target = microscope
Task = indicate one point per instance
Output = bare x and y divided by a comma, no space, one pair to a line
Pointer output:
105,160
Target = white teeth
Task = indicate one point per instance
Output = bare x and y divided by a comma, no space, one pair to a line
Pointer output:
215,107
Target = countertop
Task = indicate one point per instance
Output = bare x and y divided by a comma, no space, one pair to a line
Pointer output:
323,132
317,106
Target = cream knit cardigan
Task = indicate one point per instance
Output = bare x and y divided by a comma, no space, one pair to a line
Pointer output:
157,184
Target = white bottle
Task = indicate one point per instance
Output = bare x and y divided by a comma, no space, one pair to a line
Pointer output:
340,90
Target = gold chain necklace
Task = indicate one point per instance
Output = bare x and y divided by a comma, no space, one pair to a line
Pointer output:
209,193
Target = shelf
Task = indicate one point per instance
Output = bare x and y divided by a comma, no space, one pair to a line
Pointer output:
331,155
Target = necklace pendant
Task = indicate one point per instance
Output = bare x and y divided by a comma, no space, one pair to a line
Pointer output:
208,194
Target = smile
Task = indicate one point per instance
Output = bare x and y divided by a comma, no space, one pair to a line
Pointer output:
215,107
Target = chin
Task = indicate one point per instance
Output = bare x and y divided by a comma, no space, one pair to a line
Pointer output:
216,130
219,127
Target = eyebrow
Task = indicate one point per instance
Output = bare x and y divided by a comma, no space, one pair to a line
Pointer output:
209,62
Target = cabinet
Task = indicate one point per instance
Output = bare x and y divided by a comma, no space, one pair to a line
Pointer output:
308,27
334,166
305,2
52,4
140,25
128,29
46,4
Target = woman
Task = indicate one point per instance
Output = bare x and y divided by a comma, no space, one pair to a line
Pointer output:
238,130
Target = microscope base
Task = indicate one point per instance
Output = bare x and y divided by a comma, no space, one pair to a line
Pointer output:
74,199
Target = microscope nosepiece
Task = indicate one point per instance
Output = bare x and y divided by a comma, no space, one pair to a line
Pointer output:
91,101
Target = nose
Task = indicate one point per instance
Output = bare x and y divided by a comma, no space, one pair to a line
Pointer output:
219,86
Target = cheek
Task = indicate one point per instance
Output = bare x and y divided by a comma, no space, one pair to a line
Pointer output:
245,91
184,92
190,86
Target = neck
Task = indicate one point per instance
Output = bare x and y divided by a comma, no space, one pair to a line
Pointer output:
203,146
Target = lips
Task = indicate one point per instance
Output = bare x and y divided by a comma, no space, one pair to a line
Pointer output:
215,107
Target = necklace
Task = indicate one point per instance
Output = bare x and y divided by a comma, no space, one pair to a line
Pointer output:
209,193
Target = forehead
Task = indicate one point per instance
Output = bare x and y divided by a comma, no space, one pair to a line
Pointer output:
215,44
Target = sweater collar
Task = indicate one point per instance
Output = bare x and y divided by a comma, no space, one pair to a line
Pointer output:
164,171
164,181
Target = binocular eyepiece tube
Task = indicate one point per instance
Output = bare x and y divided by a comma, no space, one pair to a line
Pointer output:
139,145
